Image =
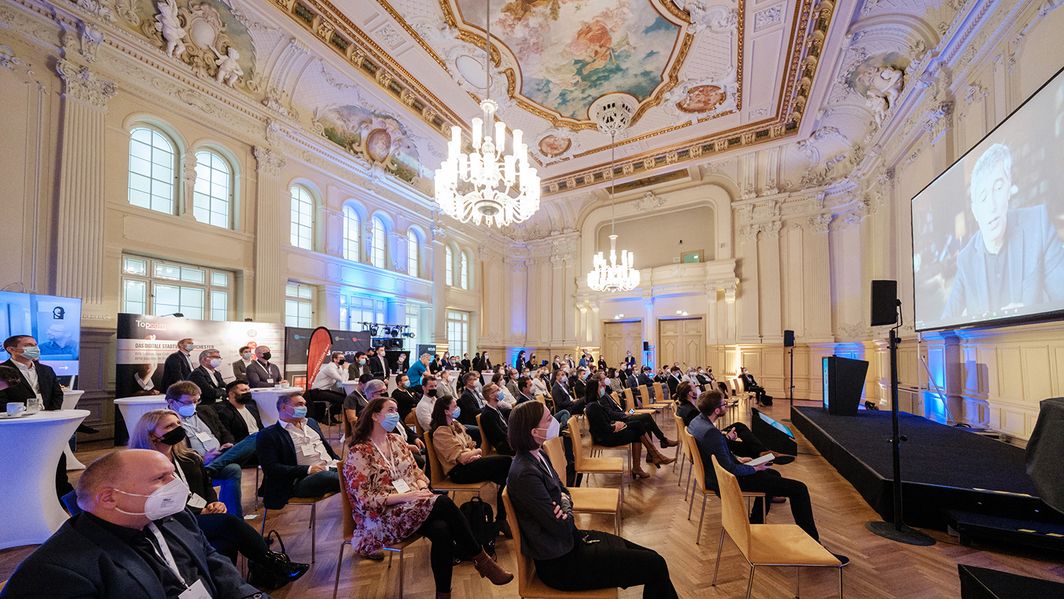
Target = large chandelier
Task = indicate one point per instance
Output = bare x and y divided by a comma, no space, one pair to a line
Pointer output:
487,185
613,113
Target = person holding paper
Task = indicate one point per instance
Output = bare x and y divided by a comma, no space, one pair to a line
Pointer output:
296,460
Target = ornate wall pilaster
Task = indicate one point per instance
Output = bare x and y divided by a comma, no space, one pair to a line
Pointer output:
271,232
79,242
438,258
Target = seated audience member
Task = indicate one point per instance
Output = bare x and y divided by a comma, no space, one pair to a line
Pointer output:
133,508
391,500
712,442
328,385
212,441
563,399
358,367
179,365
524,390
493,422
238,413
296,460
429,393
674,380
460,458
511,385
417,370
645,421
470,400
687,402
750,384
567,558
356,399
240,367
506,403
539,382
608,428
741,440
447,383
161,431
207,377
402,395
263,373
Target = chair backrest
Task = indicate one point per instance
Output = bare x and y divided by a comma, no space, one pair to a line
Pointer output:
541,399
526,568
684,445
644,395
733,514
629,399
740,386
556,454
697,465
417,428
435,468
348,518
663,392
578,445
485,445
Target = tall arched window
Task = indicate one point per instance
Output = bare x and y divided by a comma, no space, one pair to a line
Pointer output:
463,270
379,242
212,197
352,233
152,165
302,234
448,260
413,257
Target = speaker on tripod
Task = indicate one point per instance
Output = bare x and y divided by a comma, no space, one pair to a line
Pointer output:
788,341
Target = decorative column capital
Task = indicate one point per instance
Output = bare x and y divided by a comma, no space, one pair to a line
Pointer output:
269,160
820,222
82,84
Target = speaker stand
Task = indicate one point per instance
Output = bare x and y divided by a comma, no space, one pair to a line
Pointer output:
790,388
897,530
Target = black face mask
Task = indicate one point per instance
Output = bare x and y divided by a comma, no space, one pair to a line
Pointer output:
341,363
174,437
244,398
266,356
431,393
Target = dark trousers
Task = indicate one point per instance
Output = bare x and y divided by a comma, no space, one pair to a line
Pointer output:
772,484
492,468
608,563
317,484
449,533
335,401
748,446
647,423
230,535
62,483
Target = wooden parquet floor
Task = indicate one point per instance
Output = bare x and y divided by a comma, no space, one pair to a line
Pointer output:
655,515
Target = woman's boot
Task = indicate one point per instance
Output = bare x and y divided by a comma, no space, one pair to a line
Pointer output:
489,569
637,470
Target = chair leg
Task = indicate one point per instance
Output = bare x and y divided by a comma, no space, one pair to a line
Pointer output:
797,583
840,584
262,529
690,506
701,518
401,575
313,530
339,562
750,583
720,548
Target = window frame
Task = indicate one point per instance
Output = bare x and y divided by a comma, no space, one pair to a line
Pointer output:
230,175
378,253
294,296
413,253
174,181
151,281
352,246
448,258
296,226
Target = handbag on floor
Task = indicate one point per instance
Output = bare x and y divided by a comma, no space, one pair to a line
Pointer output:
277,571
482,523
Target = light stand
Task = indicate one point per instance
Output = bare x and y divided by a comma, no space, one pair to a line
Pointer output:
790,389
897,530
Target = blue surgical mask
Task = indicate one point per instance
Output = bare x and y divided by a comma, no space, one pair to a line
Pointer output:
457,412
299,412
31,352
187,410
390,421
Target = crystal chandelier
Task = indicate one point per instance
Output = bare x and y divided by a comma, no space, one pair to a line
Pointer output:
613,275
485,185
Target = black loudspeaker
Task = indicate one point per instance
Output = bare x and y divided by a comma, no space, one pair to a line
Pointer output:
884,302
1044,451
843,383
788,338
984,583
646,346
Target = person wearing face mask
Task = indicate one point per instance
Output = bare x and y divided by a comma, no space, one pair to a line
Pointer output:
296,459
357,367
448,386
567,558
180,364
429,393
391,501
328,385
238,413
563,399
460,458
207,377
610,427
356,400
493,422
403,396
133,540
378,365
263,373
161,430
240,367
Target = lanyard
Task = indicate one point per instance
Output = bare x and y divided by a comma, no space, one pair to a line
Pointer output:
390,462
166,556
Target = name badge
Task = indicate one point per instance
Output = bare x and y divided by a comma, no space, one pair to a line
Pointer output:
196,591
196,502
270,381
204,436
400,486
308,450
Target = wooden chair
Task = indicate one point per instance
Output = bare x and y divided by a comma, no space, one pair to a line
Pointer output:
529,586
589,465
596,449
586,500
766,544
684,451
485,445
630,403
313,503
439,481
698,468
348,523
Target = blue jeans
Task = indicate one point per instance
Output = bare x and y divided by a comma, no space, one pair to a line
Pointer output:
228,478
238,454
562,416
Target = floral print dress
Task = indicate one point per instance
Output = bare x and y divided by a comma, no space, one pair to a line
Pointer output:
369,483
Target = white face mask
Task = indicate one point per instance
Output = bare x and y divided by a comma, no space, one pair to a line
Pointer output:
215,362
167,500
553,430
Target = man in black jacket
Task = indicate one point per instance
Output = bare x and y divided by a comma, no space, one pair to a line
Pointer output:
112,550
263,374
750,384
563,400
491,420
239,414
378,365
296,459
207,377
469,402
178,365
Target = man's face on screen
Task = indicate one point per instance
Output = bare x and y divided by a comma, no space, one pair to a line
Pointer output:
990,204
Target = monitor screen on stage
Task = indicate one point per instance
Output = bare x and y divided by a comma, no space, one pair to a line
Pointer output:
988,233
55,322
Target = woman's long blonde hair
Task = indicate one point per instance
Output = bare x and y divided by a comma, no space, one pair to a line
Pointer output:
140,437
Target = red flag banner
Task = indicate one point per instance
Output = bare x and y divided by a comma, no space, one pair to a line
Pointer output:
317,352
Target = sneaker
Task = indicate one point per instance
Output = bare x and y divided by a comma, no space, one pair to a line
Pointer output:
842,558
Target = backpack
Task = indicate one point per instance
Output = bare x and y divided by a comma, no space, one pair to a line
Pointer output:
482,523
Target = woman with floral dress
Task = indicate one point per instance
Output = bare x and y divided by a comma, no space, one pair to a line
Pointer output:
391,500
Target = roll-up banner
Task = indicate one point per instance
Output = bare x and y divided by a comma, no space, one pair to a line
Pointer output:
318,352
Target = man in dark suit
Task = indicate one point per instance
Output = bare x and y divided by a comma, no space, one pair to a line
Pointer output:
240,367
485,361
296,459
750,384
114,550
563,399
178,365
358,367
466,364
580,384
207,377
493,423
476,363
239,414
469,402
378,365
646,378
263,373
629,361
38,381
674,380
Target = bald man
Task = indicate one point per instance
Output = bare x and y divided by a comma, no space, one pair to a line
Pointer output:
127,546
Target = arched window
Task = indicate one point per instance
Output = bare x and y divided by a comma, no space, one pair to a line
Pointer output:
379,242
352,233
448,259
463,270
212,198
302,234
413,257
152,164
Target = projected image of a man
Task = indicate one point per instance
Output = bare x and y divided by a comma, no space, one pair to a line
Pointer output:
1016,259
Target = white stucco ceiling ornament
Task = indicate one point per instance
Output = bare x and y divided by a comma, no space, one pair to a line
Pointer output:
555,144
698,99
715,18
466,63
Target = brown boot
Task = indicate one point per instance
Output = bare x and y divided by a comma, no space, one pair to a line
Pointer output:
443,596
659,459
491,570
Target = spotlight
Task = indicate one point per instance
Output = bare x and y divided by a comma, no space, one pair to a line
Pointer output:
394,332
409,335
373,330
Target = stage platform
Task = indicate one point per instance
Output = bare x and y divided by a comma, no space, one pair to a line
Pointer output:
944,468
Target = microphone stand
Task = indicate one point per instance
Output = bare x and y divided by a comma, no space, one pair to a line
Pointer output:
897,530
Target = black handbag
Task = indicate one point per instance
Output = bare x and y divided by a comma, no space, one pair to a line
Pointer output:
276,571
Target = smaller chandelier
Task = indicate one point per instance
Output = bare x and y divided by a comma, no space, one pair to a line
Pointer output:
613,276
